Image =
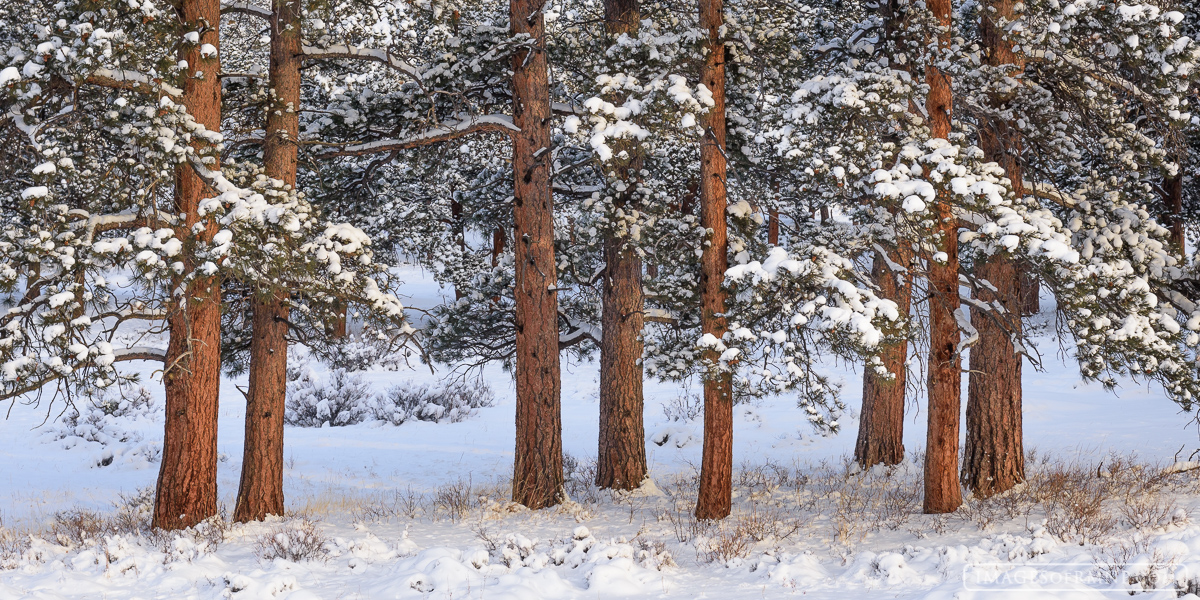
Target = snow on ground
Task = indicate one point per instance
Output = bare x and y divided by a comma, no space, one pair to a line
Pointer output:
398,508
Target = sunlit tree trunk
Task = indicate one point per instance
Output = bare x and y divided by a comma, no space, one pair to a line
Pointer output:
716,462
942,491
538,471
261,490
187,480
621,460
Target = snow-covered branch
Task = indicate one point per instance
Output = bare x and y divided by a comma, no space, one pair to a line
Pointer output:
1047,191
443,133
360,53
139,353
123,79
243,8
1096,71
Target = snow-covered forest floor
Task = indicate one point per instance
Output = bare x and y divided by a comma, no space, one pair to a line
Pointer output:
420,510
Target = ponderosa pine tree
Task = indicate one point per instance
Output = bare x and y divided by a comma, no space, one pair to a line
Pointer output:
716,462
621,458
942,492
260,489
537,470
994,453
142,215
881,418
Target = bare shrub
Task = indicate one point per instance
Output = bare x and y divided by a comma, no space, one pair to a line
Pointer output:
78,527
1147,510
684,407
13,544
1073,498
724,542
768,523
455,500
579,479
407,503
899,502
450,403
1111,559
296,540
983,512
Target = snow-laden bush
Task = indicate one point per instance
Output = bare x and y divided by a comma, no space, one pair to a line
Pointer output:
450,403
107,417
343,399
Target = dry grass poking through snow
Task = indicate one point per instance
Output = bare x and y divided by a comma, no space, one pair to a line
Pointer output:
830,509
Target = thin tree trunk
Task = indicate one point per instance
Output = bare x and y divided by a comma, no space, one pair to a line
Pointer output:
460,234
994,458
942,491
261,490
621,462
773,228
1173,199
339,328
187,480
1031,300
498,242
716,462
538,471
881,424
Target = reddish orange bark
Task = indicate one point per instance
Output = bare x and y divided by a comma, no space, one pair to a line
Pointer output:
942,491
716,462
537,469
187,481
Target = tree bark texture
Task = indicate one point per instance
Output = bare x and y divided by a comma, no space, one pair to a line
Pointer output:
187,480
621,461
1173,199
942,492
1031,288
538,471
881,424
261,490
716,462
622,450
994,458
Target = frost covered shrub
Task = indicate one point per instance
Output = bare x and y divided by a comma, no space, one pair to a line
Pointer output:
344,399
105,418
298,540
452,403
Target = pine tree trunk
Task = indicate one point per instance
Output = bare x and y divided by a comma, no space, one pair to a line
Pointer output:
187,480
538,471
1031,288
994,458
622,450
942,492
460,235
716,462
1173,199
773,228
261,490
621,461
881,425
